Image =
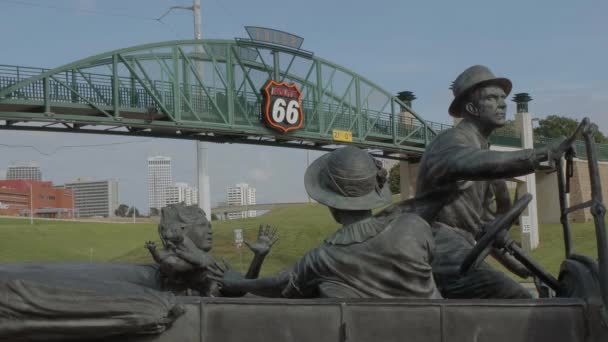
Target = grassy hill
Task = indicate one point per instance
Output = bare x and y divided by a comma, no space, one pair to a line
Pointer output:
48,240
300,229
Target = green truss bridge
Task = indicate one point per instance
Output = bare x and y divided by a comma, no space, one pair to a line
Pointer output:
209,90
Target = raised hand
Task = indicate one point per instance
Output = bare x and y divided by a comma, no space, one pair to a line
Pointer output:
266,239
151,246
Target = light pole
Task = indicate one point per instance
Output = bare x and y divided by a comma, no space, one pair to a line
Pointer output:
204,201
73,204
307,165
31,204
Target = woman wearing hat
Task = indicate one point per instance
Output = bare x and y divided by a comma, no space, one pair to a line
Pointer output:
368,257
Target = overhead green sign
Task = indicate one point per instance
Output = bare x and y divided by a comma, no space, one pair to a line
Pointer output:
267,35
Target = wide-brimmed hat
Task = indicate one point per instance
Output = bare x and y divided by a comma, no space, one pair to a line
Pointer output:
348,178
472,78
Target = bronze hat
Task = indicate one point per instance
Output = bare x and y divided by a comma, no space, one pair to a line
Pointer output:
472,78
348,178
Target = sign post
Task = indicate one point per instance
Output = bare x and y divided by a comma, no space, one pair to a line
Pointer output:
238,242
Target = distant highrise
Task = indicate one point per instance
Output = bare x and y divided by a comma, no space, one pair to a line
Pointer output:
94,198
24,170
181,192
238,195
159,179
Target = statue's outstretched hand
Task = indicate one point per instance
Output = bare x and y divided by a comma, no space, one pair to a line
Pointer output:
231,281
267,237
552,152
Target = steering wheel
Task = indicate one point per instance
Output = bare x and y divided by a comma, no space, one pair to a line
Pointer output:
497,237
498,231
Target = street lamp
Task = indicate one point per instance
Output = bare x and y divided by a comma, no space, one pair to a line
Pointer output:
73,204
31,204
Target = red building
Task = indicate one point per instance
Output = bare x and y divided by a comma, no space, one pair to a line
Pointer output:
17,197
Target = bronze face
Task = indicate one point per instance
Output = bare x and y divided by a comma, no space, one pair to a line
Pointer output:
489,106
201,235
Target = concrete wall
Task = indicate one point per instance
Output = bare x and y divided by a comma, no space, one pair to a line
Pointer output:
408,172
548,197
580,188
580,192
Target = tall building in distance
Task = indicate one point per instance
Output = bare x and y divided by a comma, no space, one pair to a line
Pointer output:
24,170
159,179
181,192
20,197
94,198
241,195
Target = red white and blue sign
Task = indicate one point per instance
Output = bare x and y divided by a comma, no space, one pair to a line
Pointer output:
282,106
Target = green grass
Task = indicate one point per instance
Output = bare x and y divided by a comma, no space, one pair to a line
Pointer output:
300,229
550,252
47,240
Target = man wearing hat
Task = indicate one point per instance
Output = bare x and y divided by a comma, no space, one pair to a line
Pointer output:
368,257
459,161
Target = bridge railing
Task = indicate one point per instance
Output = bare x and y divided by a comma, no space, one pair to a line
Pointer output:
229,97
20,73
76,87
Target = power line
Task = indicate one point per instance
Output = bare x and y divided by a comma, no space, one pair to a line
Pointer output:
57,149
96,12
81,10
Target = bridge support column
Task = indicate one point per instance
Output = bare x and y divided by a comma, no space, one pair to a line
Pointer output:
527,184
548,197
408,172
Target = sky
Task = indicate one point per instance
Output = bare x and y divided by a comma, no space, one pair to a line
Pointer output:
555,50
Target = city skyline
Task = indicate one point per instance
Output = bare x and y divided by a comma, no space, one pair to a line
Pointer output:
190,198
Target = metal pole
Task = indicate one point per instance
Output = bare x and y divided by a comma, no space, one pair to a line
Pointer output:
31,204
241,259
73,205
133,213
196,8
204,201
204,197
307,165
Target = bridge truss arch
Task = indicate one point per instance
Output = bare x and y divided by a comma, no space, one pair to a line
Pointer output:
209,90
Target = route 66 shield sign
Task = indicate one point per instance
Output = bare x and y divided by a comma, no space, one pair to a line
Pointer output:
282,106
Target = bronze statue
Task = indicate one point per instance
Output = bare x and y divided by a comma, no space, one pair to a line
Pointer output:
459,161
185,265
42,301
387,256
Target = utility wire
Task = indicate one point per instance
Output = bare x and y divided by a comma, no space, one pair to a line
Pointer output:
63,8
57,149
102,13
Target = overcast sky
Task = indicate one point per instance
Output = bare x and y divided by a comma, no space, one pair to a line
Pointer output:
555,50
